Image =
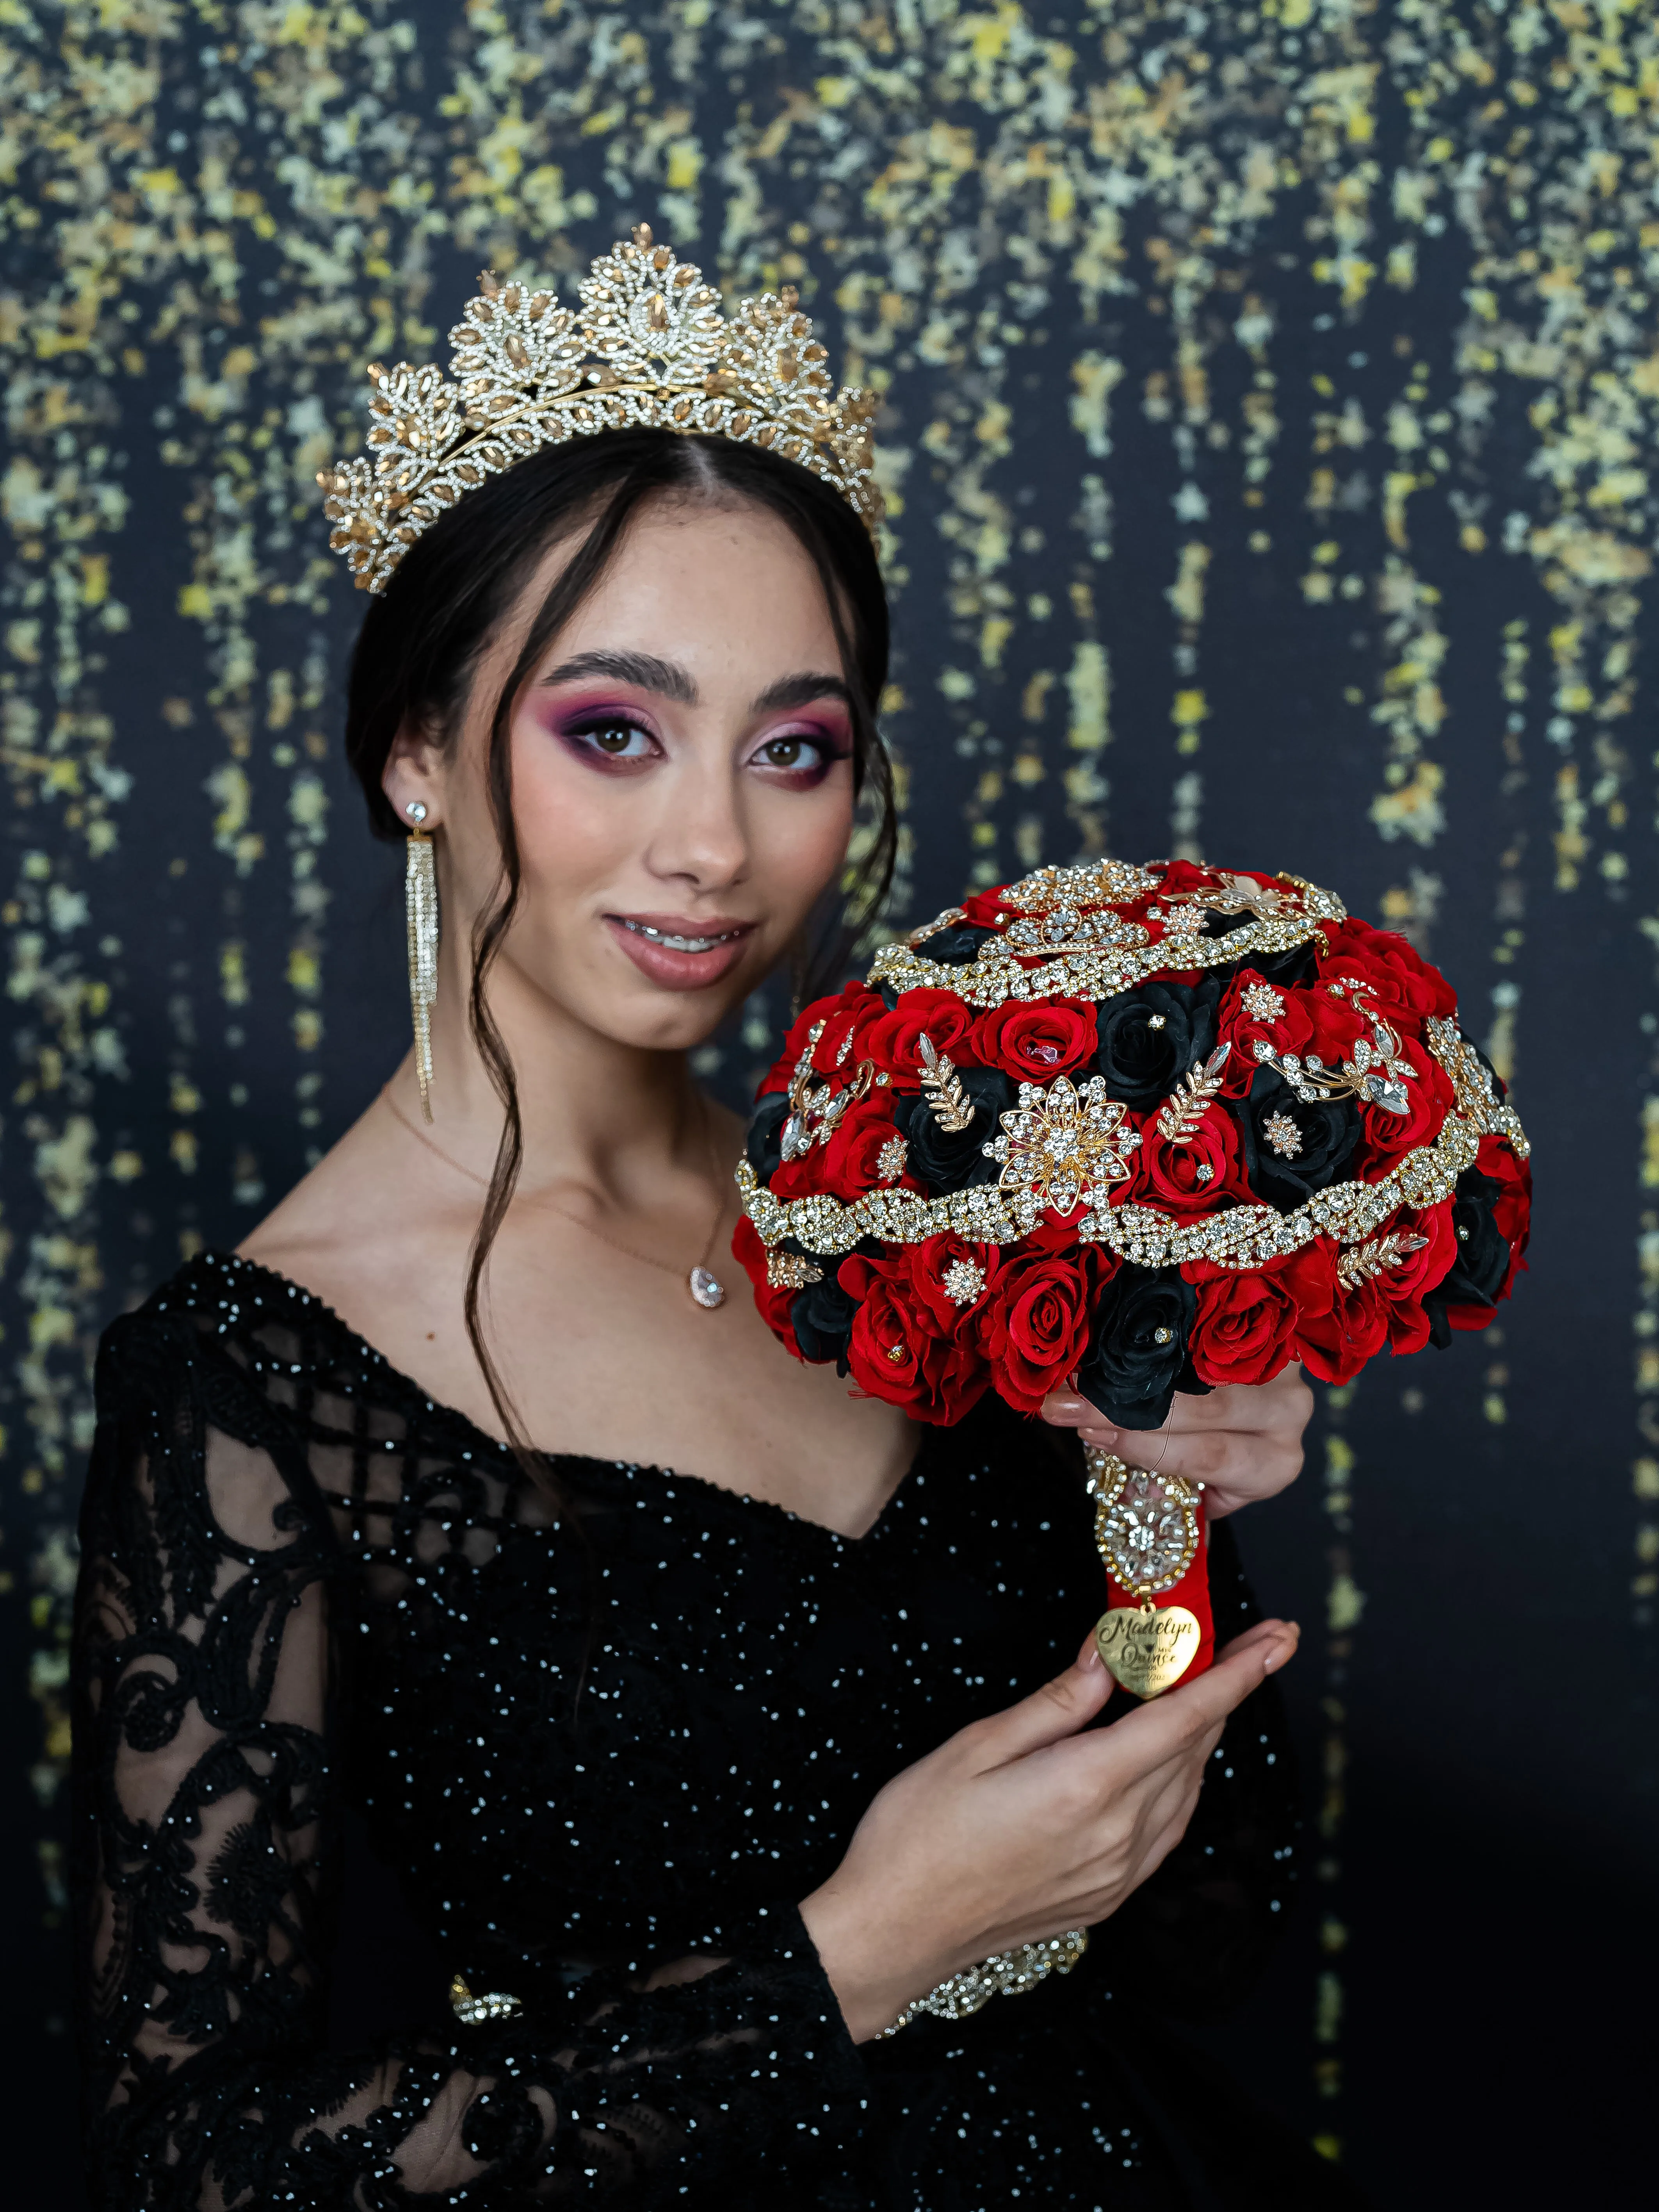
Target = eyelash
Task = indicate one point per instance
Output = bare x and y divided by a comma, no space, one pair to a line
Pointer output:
593,726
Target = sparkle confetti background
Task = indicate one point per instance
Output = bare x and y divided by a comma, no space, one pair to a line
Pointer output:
1269,399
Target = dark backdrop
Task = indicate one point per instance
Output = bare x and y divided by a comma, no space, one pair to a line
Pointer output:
1268,417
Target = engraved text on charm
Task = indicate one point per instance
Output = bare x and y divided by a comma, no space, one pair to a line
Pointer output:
1147,1648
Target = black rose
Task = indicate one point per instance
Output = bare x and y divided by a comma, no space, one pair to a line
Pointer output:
822,1318
1286,969
764,1143
1292,1149
953,948
1149,1038
1478,1272
947,1160
1138,1349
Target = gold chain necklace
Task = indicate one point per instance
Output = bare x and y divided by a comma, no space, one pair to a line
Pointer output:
706,1288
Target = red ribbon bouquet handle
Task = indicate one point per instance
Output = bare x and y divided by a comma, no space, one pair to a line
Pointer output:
1152,1534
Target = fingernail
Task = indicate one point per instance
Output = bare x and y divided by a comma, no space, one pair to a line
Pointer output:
1067,1404
1278,1656
1091,1658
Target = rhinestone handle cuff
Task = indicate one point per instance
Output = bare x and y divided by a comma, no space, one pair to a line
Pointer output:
1005,1974
475,2011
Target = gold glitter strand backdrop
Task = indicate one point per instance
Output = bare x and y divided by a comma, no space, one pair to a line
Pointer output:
1087,256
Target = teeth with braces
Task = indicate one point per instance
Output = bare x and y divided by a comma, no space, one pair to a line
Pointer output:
672,943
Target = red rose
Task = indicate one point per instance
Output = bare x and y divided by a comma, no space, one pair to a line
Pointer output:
1184,876
1037,1329
1243,1329
848,1164
943,1272
894,1042
1034,1043
1301,1018
850,1012
894,1352
1387,1138
1324,1340
1172,1176
774,1304
1512,1208
1383,1308
983,910
1400,979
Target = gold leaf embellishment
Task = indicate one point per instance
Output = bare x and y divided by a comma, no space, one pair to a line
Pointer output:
1374,1255
1186,1106
948,1102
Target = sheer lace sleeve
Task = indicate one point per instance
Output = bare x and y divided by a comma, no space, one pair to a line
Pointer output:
208,1811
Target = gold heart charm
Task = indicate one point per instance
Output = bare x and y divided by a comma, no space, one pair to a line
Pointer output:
1148,1651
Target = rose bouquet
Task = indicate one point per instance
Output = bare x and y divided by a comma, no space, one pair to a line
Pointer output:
1157,1129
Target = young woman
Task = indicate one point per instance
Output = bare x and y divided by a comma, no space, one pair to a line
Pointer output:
466,1602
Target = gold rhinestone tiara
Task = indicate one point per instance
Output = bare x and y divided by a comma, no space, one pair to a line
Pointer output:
648,349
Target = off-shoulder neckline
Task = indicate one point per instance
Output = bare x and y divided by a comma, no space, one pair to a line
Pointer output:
225,1264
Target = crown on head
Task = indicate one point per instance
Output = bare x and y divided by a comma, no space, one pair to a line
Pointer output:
649,348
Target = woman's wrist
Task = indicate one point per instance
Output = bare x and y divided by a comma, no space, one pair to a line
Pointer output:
872,1985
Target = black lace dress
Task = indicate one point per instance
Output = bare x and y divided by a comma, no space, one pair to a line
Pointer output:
331,1754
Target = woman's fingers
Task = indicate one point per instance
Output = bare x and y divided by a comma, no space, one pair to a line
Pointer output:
1165,1731
1243,1441
1058,1709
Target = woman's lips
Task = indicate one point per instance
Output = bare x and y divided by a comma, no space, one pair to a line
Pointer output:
679,953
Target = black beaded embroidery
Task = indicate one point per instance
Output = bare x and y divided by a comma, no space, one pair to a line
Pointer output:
311,1598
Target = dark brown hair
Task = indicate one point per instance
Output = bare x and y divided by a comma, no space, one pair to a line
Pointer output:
422,639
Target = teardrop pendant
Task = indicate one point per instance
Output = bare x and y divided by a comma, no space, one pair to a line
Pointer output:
707,1290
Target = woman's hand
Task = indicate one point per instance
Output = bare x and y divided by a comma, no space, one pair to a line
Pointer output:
1243,1442
1020,1827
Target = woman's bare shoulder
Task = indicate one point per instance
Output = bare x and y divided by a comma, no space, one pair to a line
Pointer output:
342,1221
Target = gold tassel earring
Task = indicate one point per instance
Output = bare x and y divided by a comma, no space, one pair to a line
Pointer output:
421,912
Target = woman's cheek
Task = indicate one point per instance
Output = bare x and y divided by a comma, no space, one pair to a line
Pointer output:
800,840
573,823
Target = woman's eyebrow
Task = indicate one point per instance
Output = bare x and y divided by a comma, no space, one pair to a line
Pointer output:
670,681
800,691
665,678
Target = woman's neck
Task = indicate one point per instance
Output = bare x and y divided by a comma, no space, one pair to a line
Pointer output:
607,1116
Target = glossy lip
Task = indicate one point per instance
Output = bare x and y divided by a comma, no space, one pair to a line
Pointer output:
675,970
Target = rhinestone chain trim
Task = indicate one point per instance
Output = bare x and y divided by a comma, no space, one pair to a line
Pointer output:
1005,1974
1246,1237
1101,971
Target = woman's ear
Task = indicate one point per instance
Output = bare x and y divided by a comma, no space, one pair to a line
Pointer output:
415,775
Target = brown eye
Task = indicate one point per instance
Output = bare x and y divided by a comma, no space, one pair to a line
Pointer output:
615,740
785,752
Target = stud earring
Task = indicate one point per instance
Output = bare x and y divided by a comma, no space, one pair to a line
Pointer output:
421,913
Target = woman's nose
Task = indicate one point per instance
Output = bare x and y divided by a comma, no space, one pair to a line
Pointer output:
700,836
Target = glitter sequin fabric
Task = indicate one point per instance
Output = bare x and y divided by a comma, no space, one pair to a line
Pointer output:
324,1621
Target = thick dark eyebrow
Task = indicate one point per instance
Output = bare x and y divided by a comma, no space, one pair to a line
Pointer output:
665,678
800,691
670,681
